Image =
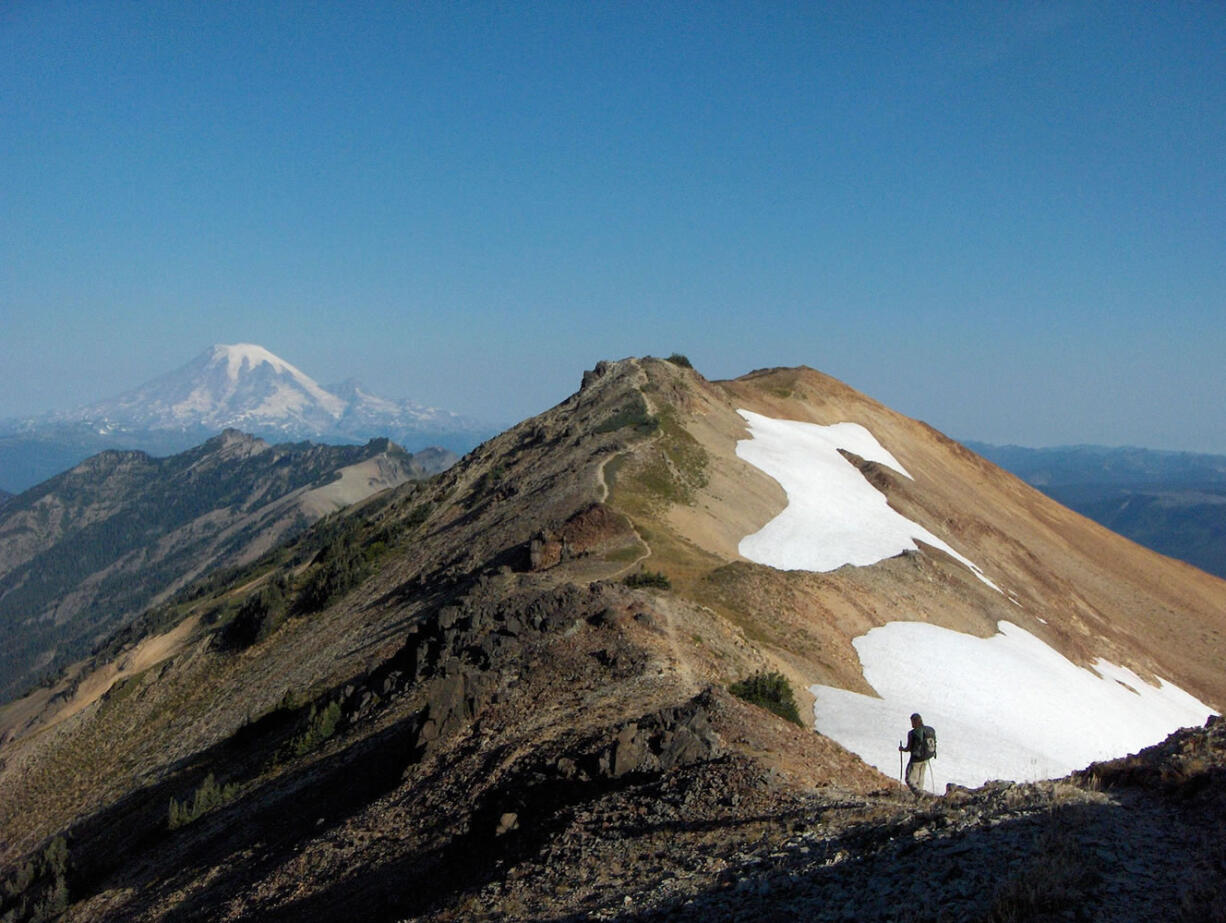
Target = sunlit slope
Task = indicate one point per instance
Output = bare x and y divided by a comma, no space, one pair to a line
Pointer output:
973,547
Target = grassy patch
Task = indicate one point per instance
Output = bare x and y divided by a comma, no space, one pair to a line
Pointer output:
626,555
124,688
669,471
633,415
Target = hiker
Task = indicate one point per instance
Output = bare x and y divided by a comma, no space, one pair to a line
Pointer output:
922,745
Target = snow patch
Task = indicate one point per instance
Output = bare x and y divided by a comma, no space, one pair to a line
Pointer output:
1004,707
834,516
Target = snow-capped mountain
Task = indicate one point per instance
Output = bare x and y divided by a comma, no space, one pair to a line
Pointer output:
554,636
241,386
244,386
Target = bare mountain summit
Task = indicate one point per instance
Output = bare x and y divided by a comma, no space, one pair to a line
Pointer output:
518,690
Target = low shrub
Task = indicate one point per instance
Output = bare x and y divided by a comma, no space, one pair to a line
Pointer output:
633,415
771,691
37,889
321,725
257,617
647,578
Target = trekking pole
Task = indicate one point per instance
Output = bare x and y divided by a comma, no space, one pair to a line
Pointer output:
900,778
932,775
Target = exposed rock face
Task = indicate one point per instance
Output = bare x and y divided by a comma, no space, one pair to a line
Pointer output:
596,529
671,737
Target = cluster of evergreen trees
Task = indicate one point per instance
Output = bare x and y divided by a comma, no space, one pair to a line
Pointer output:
208,796
37,890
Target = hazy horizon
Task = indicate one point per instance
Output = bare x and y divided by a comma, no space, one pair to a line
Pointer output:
1007,221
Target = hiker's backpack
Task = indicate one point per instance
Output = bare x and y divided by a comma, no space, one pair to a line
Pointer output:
928,743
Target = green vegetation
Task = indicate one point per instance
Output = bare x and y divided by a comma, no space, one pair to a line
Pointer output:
208,796
678,359
632,415
626,555
37,889
158,497
418,515
646,578
676,468
320,726
258,616
771,691
337,568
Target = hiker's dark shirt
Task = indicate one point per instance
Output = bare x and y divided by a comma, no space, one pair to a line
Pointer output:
915,742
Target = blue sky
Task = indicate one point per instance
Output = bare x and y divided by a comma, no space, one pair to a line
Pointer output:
1008,220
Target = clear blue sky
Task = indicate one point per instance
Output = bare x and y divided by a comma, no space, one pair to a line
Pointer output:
1008,220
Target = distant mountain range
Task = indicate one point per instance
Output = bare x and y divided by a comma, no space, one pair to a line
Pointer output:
241,386
1172,502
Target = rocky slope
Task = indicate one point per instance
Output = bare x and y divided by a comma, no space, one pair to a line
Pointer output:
502,694
83,553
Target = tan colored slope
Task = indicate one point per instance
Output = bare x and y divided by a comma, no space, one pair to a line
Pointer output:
94,683
1085,590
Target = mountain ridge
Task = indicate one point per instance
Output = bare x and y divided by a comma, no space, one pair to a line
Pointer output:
1171,502
511,701
90,548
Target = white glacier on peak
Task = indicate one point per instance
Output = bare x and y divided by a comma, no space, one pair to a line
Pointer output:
245,386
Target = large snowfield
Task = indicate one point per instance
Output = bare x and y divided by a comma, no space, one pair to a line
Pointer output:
1005,707
833,516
